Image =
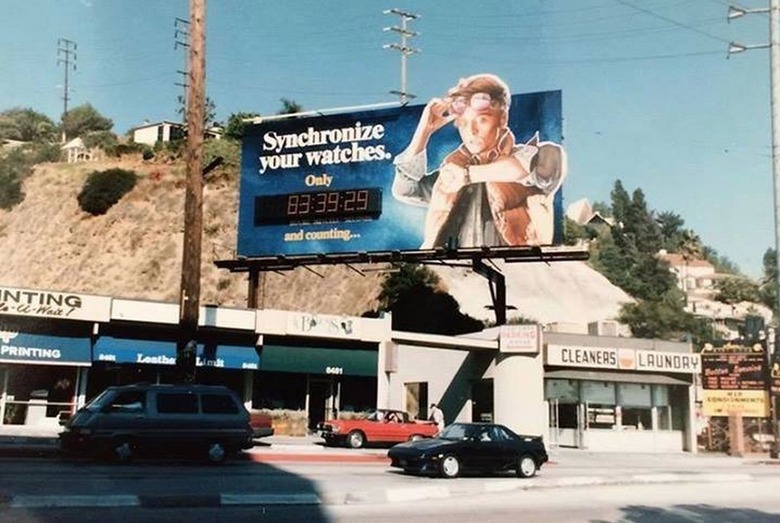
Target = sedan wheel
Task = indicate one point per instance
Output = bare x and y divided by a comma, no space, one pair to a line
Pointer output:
355,439
449,466
526,466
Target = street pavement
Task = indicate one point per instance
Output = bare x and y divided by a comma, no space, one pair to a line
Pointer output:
577,467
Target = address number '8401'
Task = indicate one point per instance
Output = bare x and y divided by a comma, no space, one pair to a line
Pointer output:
334,370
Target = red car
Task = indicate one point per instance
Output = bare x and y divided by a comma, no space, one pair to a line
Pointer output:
381,426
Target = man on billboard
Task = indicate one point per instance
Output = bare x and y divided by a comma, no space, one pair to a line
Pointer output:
490,191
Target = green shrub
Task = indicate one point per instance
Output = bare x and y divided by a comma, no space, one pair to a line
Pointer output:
105,140
104,188
121,149
14,168
148,153
230,151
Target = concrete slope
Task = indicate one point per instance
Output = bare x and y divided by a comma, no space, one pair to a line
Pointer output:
562,292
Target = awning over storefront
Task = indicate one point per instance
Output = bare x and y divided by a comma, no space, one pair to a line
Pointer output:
153,352
617,377
319,360
22,347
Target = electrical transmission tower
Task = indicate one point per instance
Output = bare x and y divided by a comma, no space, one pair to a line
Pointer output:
66,55
181,36
404,49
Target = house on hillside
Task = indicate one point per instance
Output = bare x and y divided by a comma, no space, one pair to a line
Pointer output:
166,131
6,144
76,151
696,278
582,213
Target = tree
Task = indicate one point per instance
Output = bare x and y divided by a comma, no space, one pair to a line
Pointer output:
408,278
290,106
620,204
84,119
234,128
768,285
418,305
671,226
736,290
27,125
209,110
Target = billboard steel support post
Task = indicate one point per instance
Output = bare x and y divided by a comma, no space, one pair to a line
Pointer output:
497,284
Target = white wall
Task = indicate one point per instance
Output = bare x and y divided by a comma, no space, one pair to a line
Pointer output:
437,367
147,135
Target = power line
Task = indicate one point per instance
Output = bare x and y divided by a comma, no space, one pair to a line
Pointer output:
671,20
404,49
181,35
66,55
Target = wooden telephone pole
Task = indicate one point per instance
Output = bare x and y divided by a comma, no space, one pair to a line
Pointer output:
189,298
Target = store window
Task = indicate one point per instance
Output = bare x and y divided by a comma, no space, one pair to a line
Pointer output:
599,398
563,397
358,394
279,390
636,404
662,406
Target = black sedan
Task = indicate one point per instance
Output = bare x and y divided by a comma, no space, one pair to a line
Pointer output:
472,447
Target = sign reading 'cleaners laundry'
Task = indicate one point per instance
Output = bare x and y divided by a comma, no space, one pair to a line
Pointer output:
623,359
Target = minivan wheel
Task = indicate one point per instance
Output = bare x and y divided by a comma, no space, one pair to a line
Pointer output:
123,450
216,452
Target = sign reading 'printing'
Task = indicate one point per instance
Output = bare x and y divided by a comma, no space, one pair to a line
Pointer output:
623,359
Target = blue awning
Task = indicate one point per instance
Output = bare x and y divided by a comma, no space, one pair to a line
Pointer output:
154,352
22,347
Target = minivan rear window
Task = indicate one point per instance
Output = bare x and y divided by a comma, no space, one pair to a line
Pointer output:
218,404
177,403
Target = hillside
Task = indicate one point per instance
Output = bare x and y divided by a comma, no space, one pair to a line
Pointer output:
134,251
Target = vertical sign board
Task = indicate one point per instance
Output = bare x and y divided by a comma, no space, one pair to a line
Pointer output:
734,382
330,184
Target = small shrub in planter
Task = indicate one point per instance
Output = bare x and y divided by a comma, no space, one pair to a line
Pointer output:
104,188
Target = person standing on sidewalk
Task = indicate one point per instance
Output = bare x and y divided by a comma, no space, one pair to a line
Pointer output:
437,416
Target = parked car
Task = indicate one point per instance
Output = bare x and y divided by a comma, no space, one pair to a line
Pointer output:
471,447
261,423
125,420
380,426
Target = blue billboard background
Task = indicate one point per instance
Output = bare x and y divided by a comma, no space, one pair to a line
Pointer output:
400,226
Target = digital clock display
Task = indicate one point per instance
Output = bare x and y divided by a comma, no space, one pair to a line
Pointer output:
306,207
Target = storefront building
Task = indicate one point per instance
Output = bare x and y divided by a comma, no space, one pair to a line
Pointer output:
624,394
45,351
581,391
318,364
57,350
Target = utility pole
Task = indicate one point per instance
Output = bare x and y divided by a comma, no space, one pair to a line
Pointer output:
181,34
66,55
404,49
774,73
189,299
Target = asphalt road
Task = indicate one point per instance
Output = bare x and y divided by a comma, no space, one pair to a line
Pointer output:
753,501
276,479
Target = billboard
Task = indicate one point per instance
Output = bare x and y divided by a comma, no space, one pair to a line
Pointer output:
477,167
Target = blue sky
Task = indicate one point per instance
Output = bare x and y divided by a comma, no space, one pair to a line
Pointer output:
649,96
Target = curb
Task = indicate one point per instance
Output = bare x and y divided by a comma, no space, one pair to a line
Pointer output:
389,495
